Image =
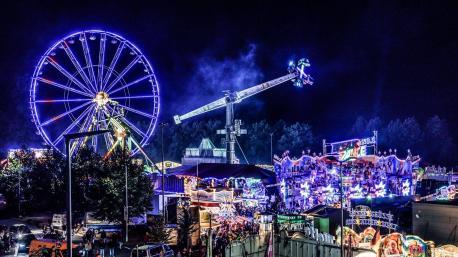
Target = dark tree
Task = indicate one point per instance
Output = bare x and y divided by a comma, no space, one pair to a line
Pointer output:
186,226
296,138
439,142
157,231
108,189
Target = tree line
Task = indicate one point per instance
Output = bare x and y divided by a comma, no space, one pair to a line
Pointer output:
32,184
432,140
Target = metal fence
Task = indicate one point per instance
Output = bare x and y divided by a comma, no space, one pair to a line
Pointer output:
284,247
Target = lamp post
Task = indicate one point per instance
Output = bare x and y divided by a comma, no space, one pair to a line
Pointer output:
163,124
271,148
126,209
68,138
342,249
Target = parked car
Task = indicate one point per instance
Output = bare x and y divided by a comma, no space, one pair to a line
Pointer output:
59,223
152,250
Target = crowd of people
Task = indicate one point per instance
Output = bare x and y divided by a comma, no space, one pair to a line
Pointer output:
5,240
101,245
229,231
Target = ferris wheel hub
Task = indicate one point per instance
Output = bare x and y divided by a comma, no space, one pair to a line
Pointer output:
101,99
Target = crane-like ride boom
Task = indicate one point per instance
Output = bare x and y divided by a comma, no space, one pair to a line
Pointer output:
297,74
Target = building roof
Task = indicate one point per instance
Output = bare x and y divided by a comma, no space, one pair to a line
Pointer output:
224,170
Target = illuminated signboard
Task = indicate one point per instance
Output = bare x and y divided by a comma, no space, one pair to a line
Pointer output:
353,148
446,193
354,151
362,215
290,219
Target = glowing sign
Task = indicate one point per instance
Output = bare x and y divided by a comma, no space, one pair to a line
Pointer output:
362,215
406,188
353,147
380,189
446,193
355,151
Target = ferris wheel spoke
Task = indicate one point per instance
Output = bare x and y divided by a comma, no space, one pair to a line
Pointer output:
62,100
86,127
108,140
133,97
76,63
121,75
69,128
136,111
103,39
97,127
87,56
131,83
68,75
113,64
133,127
63,114
52,83
130,124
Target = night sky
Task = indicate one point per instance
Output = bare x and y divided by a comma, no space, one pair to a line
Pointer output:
390,58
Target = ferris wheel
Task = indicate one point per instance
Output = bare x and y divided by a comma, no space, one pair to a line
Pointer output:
94,80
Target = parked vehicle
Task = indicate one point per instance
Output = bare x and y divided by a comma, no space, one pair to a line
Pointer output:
59,223
152,250
50,247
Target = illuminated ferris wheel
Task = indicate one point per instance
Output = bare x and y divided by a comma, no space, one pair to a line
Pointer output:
94,80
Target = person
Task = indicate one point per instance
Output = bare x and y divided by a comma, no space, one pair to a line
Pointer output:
102,245
88,248
6,241
112,242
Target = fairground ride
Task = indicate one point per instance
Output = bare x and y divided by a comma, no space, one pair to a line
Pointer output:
297,74
94,80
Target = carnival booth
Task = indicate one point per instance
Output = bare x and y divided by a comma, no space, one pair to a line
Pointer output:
229,195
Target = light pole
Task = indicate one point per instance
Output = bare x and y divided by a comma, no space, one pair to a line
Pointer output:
126,209
19,192
163,124
341,213
342,249
271,148
68,138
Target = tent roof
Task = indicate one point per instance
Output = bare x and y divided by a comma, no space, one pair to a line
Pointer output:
223,170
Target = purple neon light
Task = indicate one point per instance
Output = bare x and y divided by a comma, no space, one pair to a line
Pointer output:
131,84
91,83
87,56
63,114
103,40
121,75
113,64
69,128
67,74
76,63
53,83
